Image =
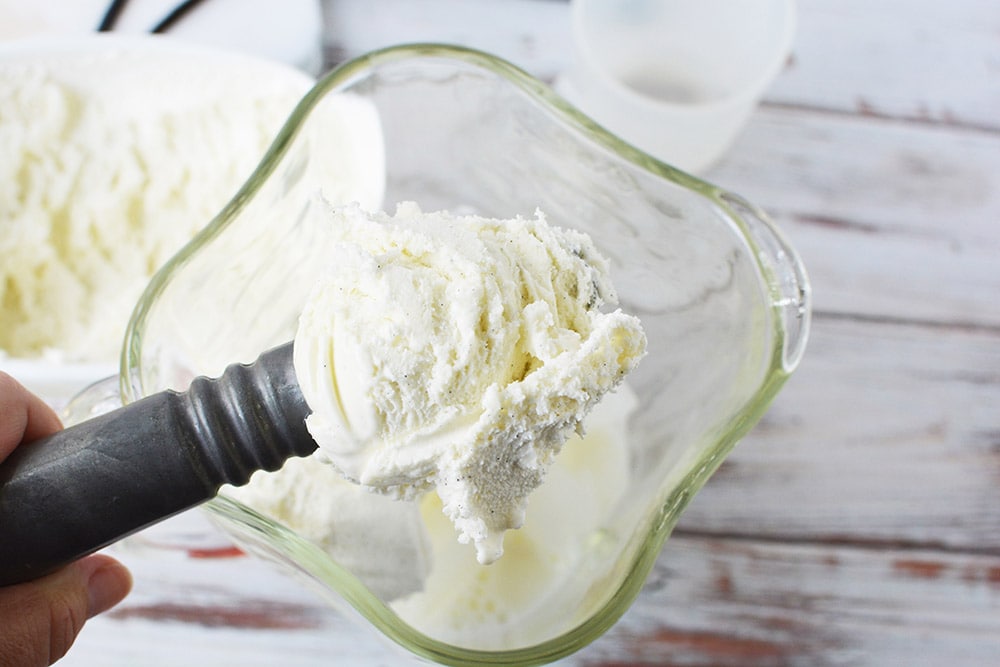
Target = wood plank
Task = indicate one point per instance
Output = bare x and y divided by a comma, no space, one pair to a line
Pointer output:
888,433
708,601
881,175
750,603
532,34
927,61
891,219
859,197
220,608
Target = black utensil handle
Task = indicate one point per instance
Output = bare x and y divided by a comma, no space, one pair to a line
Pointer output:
72,493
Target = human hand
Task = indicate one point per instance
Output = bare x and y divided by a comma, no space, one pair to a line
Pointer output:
40,619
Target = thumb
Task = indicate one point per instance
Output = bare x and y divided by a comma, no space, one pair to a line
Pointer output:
39,620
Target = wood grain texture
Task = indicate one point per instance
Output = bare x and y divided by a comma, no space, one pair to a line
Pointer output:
887,434
922,61
748,603
542,44
721,601
859,523
893,220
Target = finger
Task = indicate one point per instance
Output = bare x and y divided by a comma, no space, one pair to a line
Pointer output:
23,416
40,620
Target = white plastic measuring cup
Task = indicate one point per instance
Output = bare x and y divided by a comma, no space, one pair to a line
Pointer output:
676,78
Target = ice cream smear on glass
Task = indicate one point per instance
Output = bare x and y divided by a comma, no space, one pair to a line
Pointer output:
457,353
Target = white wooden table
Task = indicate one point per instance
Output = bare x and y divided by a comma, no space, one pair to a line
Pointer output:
859,524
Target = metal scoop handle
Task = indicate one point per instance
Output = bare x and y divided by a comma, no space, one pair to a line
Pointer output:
79,490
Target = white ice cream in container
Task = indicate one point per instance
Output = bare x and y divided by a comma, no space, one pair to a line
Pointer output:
115,152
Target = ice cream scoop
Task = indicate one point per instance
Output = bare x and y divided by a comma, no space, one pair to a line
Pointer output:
74,492
444,352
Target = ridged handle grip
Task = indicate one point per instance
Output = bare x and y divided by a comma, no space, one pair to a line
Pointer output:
72,493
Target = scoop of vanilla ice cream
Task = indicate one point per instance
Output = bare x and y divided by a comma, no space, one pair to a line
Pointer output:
546,561
457,353
110,160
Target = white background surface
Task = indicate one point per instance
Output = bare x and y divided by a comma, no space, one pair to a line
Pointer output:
859,524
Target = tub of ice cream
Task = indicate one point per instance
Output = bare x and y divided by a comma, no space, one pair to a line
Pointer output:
116,151
722,299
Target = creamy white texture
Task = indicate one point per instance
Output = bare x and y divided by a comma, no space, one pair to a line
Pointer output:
112,158
109,163
546,561
457,353
407,554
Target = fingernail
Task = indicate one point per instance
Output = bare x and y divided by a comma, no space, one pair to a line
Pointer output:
107,585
